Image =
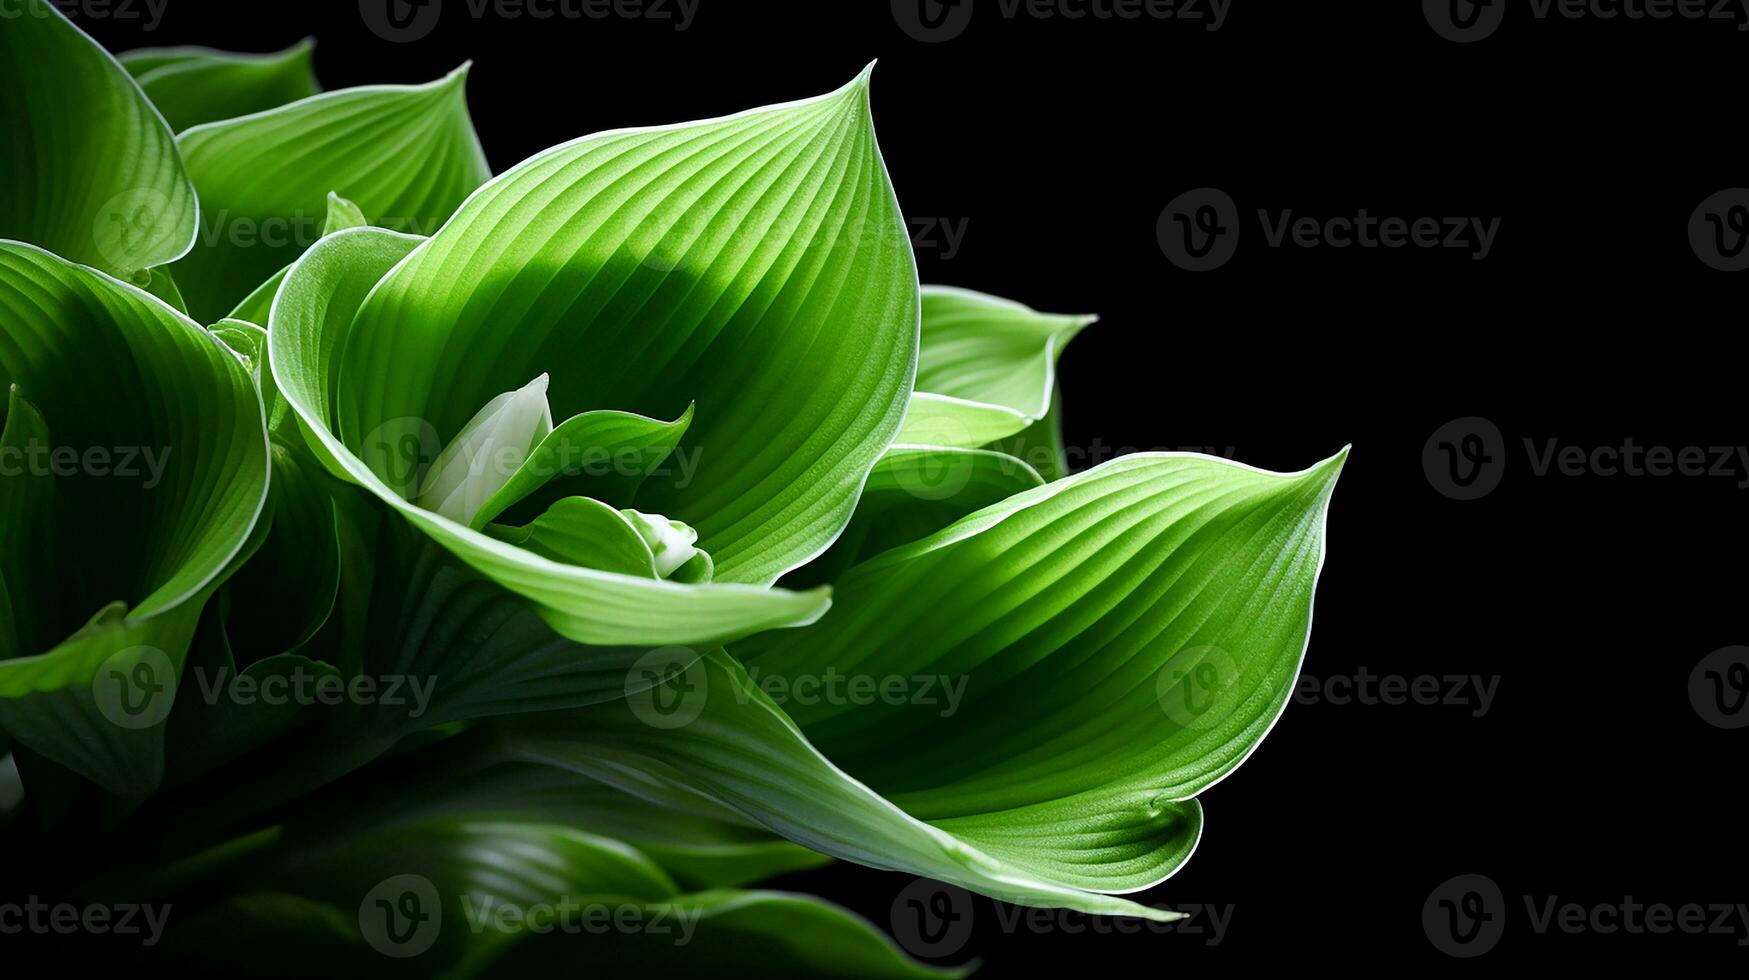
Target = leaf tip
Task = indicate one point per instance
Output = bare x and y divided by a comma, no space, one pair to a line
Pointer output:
457,79
1325,474
855,92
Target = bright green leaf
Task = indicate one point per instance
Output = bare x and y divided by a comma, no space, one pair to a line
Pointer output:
756,265
88,169
311,322
1097,651
407,155
987,369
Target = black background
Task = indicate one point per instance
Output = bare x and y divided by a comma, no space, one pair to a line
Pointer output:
1055,145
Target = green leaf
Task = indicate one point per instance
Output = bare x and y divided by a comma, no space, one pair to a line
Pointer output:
88,169
342,214
581,531
1119,640
1040,445
193,85
723,263
154,472
712,732
407,154
987,369
602,454
914,492
311,323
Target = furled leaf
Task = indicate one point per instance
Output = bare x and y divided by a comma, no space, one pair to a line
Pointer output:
581,531
987,369
342,214
312,321
604,454
88,169
193,85
1075,664
152,471
406,155
756,265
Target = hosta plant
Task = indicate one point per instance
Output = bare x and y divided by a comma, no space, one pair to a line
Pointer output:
402,566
